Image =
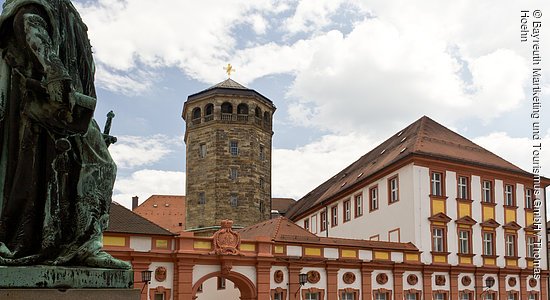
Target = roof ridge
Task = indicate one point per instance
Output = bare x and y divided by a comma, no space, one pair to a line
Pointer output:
278,226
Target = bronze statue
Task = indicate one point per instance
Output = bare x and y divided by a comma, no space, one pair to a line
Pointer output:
56,174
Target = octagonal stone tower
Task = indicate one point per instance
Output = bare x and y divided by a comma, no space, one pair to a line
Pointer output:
228,160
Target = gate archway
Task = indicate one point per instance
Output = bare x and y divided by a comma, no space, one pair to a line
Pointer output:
245,286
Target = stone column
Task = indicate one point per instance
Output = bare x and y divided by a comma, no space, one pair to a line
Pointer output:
366,282
263,280
454,284
294,282
138,267
332,281
185,279
523,284
427,284
479,284
502,286
398,284
544,286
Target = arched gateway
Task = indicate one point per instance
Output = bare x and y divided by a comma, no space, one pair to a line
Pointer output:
245,286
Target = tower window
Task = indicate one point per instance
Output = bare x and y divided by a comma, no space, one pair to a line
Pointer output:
196,113
209,109
227,108
262,207
234,148
258,112
262,184
233,174
233,201
262,152
202,150
202,198
242,109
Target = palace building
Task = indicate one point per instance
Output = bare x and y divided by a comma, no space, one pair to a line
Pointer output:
427,214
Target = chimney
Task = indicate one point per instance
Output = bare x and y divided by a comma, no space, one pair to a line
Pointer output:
134,202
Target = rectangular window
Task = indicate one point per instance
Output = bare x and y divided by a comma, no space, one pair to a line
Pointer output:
306,224
334,211
509,195
262,184
312,296
381,296
533,297
323,221
313,223
487,191
489,297
512,296
393,189
510,245
439,296
465,296
530,246
347,210
347,296
233,173
410,297
159,296
202,150
529,198
262,152
221,283
202,198
463,187
278,296
464,241
437,184
358,205
234,148
488,243
234,201
438,239
373,195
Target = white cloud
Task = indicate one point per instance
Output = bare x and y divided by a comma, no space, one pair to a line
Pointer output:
138,151
298,171
518,150
144,183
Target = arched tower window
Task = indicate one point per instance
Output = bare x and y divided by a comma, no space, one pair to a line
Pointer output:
242,112
242,109
227,108
267,120
208,112
196,116
258,112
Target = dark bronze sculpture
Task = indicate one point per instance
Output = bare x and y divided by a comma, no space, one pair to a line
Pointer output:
56,174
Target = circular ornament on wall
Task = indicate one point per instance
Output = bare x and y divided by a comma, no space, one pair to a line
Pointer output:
412,279
382,278
160,274
440,280
532,282
466,280
278,276
348,277
512,281
313,276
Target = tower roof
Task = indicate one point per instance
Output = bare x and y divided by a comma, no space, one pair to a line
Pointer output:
228,87
423,138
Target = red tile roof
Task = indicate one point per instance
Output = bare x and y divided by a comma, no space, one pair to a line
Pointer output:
282,229
281,204
425,138
123,220
167,211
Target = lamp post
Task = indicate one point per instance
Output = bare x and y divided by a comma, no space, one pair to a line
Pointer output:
302,279
145,278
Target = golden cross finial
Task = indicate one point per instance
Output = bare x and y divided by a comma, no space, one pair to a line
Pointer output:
229,69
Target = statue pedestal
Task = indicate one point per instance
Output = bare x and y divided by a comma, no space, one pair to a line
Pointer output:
79,294
63,278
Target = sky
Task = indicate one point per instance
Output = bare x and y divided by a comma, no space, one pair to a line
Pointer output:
344,75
